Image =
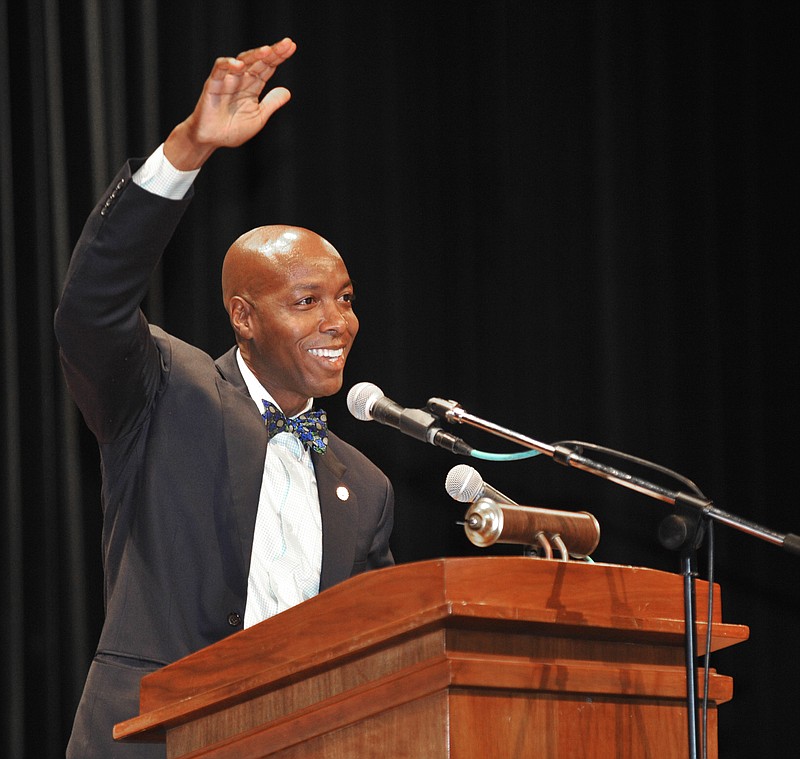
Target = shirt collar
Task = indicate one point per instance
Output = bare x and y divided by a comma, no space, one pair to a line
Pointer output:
258,392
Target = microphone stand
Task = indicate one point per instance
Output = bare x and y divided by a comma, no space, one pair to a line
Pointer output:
561,454
683,530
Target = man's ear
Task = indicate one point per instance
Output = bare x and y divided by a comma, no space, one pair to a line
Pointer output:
241,312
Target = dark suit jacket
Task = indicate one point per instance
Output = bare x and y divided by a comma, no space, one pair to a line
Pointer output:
182,452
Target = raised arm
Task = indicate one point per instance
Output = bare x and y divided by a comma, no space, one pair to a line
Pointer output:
111,363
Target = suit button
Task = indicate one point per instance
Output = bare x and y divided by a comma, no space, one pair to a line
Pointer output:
234,619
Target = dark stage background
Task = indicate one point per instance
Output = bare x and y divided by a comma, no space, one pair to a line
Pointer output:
577,219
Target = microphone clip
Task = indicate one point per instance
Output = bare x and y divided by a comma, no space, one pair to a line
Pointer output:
447,410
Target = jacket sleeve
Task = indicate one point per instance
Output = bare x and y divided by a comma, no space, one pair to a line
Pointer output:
111,364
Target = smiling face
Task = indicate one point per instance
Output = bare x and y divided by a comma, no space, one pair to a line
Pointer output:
290,301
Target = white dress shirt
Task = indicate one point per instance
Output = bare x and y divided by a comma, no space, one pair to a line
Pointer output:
286,560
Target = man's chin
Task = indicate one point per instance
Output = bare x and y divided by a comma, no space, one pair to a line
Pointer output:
328,388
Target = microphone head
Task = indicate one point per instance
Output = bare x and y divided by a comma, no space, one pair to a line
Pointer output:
362,398
463,483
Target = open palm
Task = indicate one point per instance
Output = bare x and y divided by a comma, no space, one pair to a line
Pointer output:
231,109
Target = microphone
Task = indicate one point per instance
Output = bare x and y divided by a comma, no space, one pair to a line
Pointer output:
367,402
463,483
487,522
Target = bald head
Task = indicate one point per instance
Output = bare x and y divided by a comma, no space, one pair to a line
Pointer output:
290,302
257,257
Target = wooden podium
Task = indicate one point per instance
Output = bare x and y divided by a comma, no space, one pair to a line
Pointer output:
486,658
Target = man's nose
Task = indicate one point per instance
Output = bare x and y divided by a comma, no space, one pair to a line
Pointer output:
334,318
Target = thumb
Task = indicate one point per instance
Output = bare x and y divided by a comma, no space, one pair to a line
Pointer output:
273,100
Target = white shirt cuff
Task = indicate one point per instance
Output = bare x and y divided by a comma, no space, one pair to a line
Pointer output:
159,176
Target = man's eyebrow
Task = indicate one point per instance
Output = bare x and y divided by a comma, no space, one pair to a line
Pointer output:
315,287
318,286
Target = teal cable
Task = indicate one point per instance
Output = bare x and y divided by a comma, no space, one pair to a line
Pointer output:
486,456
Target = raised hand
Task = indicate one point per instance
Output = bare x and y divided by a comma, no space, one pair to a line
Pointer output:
230,110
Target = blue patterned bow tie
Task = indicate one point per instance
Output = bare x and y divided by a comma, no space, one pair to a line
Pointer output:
310,428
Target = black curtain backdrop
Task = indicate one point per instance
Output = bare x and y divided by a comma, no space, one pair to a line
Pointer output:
577,219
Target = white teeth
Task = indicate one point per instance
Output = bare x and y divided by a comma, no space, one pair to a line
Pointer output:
326,352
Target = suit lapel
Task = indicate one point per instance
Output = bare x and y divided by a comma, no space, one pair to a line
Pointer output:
338,505
246,443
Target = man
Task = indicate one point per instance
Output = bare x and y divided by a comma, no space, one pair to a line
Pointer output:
216,514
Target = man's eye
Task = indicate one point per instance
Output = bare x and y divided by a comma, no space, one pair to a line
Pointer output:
348,297
306,301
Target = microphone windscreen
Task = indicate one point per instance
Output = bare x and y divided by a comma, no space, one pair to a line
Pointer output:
464,483
362,398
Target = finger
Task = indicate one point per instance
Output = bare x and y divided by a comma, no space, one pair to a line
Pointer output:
249,71
224,66
271,55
